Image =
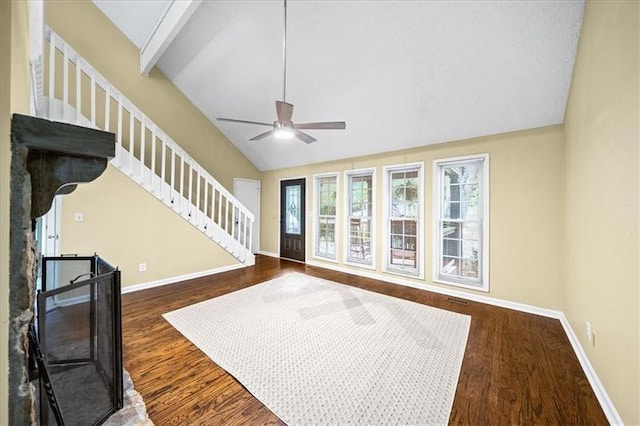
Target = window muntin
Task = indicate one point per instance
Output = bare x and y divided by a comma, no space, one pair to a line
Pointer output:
462,210
403,249
326,198
360,208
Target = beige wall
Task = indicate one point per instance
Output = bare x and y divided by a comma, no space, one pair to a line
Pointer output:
602,192
14,97
127,226
81,24
526,174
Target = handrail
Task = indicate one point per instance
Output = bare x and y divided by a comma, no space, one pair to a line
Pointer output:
144,151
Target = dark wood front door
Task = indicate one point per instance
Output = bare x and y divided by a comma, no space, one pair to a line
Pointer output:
292,215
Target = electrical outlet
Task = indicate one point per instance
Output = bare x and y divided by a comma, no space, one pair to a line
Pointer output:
588,331
79,217
593,338
142,267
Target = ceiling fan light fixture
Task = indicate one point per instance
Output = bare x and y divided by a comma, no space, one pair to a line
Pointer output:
283,128
284,133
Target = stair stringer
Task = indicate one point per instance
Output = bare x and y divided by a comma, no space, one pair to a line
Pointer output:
128,164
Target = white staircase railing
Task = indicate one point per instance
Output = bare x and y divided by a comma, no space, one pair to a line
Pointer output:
80,95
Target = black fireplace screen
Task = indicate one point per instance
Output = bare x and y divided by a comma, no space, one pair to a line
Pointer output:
79,334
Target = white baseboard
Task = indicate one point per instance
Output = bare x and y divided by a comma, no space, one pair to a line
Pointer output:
172,280
446,291
603,397
70,301
269,253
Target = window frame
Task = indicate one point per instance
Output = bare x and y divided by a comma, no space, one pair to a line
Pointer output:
482,283
348,174
417,272
316,216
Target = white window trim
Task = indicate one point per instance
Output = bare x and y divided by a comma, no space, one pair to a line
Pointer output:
316,208
483,285
421,221
347,231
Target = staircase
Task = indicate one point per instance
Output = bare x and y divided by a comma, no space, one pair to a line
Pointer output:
72,91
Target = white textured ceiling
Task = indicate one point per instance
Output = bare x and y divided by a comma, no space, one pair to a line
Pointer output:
400,73
136,19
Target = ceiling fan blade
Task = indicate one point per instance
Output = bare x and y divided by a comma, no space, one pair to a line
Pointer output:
322,125
263,135
303,136
233,120
284,111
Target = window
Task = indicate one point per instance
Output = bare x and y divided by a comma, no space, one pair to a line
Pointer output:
325,231
360,213
461,209
404,219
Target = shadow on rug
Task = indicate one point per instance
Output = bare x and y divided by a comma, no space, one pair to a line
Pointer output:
320,352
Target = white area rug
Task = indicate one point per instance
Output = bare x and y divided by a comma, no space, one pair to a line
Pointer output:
317,352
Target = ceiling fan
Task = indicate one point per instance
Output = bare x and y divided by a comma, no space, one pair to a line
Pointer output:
283,127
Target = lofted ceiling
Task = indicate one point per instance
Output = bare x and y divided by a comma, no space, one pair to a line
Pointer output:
400,73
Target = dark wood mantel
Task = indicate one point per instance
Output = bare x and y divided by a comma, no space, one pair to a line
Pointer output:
59,155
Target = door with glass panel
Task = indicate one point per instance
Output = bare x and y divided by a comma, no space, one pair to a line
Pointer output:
292,219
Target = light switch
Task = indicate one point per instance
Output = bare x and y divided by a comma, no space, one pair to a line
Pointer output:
79,217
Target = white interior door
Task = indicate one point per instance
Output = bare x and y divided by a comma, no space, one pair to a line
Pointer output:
48,239
51,229
248,193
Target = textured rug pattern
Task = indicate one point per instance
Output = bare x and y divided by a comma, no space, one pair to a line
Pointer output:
317,352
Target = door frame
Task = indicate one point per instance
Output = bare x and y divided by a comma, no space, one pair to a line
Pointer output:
306,221
53,217
258,213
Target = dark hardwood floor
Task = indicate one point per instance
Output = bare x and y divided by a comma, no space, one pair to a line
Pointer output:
518,368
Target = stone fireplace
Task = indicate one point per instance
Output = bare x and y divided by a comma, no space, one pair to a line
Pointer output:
47,158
